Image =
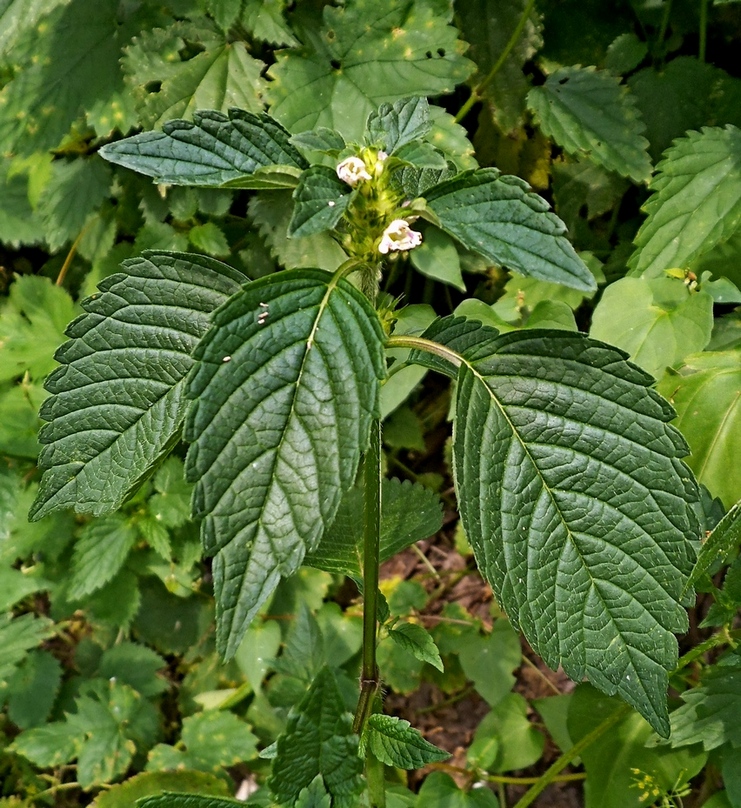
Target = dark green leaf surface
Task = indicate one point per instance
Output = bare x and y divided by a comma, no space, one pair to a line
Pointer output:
413,638
576,503
725,537
409,512
696,201
394,742
320,200
145,784
19,635
286,386
117,401
392,126
319,740
213,150
587,111
499,217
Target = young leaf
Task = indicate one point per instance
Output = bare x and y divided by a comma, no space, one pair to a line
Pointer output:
500,218
318,740
696,201
417,641
134,665
705,395
264,20
213,150
321,198
587,111
394,742
365,54
558,444
117,402
392,126
725,537
285,387
314,795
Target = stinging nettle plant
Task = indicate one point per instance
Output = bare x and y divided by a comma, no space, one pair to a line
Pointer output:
569,478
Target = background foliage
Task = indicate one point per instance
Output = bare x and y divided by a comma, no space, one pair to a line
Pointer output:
624,115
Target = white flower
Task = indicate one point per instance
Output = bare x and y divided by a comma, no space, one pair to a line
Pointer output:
399,236
352,170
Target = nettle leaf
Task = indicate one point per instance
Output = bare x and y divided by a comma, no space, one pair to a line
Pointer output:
33,689
725,537
587,111
657,321
320,139
320,200
705,396
285,387
176,799
418,642
142,786
117,401
409,512
318,740
499,217
264,20
213,150
220,76
19,223
488,26
696,201
396,743
17,636
392,126
365,54
559,443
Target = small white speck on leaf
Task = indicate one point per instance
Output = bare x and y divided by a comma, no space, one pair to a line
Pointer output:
227,359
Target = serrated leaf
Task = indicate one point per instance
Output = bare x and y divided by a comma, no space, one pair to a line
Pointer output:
392,126
706,397
695,204
396,743
320,139
625,53
584,183
146,784
17,636
264,20
175,799
365,54
213,151
222,75
314,795
488,26
318,740
134,665
588,112
15,585
409,512
209,238
657,321
33,689
19,223
279,352
725,537
170,505
49,745
499,217
117,401
418,642
558,444
320,199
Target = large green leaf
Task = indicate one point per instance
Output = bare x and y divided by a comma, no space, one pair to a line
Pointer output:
285,388
213,150
587,112
488,26
18,16
365,54
576,503
499,217
657,321
117,401
320,200
318,740
705,394
696,201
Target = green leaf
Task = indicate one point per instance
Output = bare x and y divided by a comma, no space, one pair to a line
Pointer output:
49,745
417,641
210,741
15,585
17,636
657,321
175,799
264,20
221,75
285,387
440,791
618,760
18,16
32,324
318,737
320,139
588,112
716,547
170,505
19,223
320,200
695,204
209,238
500,218
437,258
213,151
489,661
146,784
33,689
117,401
488,25
625,53
394,742
134,665
365,54
518,743
409,512
558,444
392,126
314,795
583,183
705,396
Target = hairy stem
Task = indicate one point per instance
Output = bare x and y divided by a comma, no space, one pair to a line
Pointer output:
422,344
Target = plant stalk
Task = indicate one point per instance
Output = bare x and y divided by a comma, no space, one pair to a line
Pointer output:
371,562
